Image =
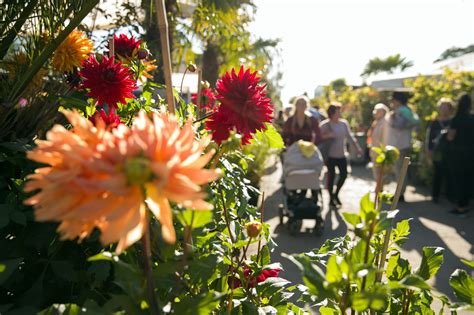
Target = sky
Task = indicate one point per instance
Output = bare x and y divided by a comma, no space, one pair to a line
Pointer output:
322,40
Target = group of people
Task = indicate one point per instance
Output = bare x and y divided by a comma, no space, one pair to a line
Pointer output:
449,142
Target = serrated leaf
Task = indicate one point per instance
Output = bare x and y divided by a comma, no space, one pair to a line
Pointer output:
351,218
431,262
463,285
469,263
195,218
397,268
413,282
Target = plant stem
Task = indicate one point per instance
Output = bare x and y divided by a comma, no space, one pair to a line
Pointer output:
224,209
262,208
406,304
204,117
379,185
182,80
154,307
398,191
367,249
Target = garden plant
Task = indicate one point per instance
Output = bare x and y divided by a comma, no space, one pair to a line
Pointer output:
114,201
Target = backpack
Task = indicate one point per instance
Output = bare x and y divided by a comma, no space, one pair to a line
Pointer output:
412,120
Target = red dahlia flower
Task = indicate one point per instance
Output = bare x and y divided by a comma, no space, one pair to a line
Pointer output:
107,81
208,99
125,46
244,107
111,119
266,273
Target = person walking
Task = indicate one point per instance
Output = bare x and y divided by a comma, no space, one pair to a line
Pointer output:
377,135
436,148
301,125
461,153
402,121
338,131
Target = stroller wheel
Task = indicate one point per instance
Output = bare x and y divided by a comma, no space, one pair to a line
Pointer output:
319,227
294,226
281,209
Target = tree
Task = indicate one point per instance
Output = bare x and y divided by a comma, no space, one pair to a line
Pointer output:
388,65
455,52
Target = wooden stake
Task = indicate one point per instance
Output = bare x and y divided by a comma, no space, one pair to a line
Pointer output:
198,105
396,197
111,46
165,52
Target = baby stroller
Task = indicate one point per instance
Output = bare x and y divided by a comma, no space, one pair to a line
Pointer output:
302,165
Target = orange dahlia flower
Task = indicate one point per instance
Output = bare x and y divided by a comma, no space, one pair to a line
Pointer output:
72,52
106,178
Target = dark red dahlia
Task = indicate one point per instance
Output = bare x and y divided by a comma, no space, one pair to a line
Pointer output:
244,107
125,46
251,282
208,99
108,82
111,119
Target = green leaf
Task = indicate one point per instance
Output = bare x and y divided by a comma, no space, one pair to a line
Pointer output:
469,263
351,218
265,255
202,304
397,268
270,136
326,310
7,267
431,262
375,298
195,218
272,285
333,273
413,282
103,256
367,208
463,285
62,309
401,231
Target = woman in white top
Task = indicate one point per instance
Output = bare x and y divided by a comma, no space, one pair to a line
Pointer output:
338,131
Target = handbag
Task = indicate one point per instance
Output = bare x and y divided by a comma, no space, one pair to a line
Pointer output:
325,146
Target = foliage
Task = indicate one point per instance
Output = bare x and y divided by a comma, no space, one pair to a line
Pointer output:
388,65
344,274
427,91
454,52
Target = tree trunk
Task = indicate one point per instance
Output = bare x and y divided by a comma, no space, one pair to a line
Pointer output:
210,63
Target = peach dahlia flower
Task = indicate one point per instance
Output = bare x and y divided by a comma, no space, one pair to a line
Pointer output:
106,179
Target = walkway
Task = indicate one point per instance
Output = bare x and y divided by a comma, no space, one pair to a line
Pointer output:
431,225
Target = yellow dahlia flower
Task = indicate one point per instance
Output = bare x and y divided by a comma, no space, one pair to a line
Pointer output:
72,51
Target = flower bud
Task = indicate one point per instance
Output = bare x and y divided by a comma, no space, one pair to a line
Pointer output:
392,154
253,228
143,53
205,85
192,67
